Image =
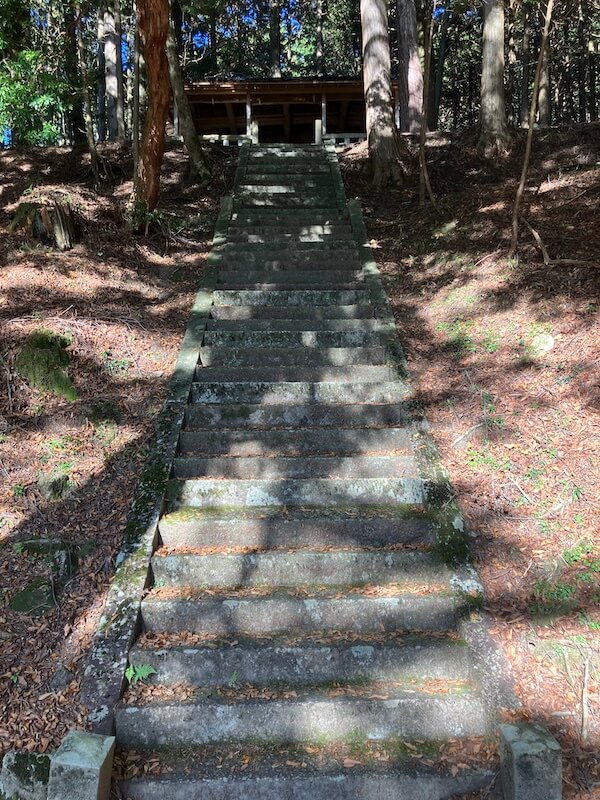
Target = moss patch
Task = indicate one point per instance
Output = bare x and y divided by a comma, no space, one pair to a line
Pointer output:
43,362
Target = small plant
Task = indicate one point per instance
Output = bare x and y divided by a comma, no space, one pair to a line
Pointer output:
3,438
19,548
114,365
140,672
233,680
490,342
459,336
577,553
18,490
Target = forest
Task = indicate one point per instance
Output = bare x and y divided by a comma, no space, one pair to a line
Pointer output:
479,179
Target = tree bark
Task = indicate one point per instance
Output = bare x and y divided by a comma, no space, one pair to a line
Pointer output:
121,133
544,107
153,24
85,92
410,74
581,70
534,101
384,149
198,162
275,38
319,59
101,78
110,71
494,138
524,105
76,118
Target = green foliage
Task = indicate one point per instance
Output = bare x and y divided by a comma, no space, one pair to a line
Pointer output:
42,362
140,672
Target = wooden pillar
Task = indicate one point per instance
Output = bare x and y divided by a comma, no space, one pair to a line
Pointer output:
397,104
324,112
248,115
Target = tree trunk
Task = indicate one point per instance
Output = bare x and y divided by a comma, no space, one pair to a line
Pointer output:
198,162
101,79
592,73
524,105
410,74
153,22
76,118
213,43
383,142
275,38
581,70
319,44
434,114
110,71
544,109
494,138
121,134
135,111
85,92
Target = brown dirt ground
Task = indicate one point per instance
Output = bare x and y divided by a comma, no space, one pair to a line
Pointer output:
124,300
518,429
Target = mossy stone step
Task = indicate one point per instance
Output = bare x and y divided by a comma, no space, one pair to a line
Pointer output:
400,781
312,358
293,325
346,245
291,297
300,393
257,416
289,569
316,313
296,528
315,277
340,441
260,662
410,714
286,367
288,467
210,492
312,339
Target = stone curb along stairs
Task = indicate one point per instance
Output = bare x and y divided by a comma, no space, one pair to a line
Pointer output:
301,534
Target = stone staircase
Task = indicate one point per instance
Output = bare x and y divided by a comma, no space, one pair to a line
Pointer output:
298,597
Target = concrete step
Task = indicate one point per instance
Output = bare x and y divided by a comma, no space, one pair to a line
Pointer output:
290,201
263,248
280,612
285,168
303,297
281,393
289,569
291,467
410,714
317,314
245,780
273,216
330,230
255,416
277,285
311,278
296,179
207,492
312,357
262,528
290,369
340,441
261,662
285,261
293,325
311,339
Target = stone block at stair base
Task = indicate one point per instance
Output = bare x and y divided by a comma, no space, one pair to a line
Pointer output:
81,768
531,763
24,776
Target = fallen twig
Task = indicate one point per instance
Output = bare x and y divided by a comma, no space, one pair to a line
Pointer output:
539,242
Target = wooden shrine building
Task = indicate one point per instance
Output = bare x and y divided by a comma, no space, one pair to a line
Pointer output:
284,110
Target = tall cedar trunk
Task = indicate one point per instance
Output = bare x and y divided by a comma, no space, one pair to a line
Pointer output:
319,44
87,101
581,76
153,23
213,42
544,107
592,79
434,114
120,79
275,38
198,162
76,116
410,74
101,78
511,86
494,138
110,72
524,105
135,111
381,132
